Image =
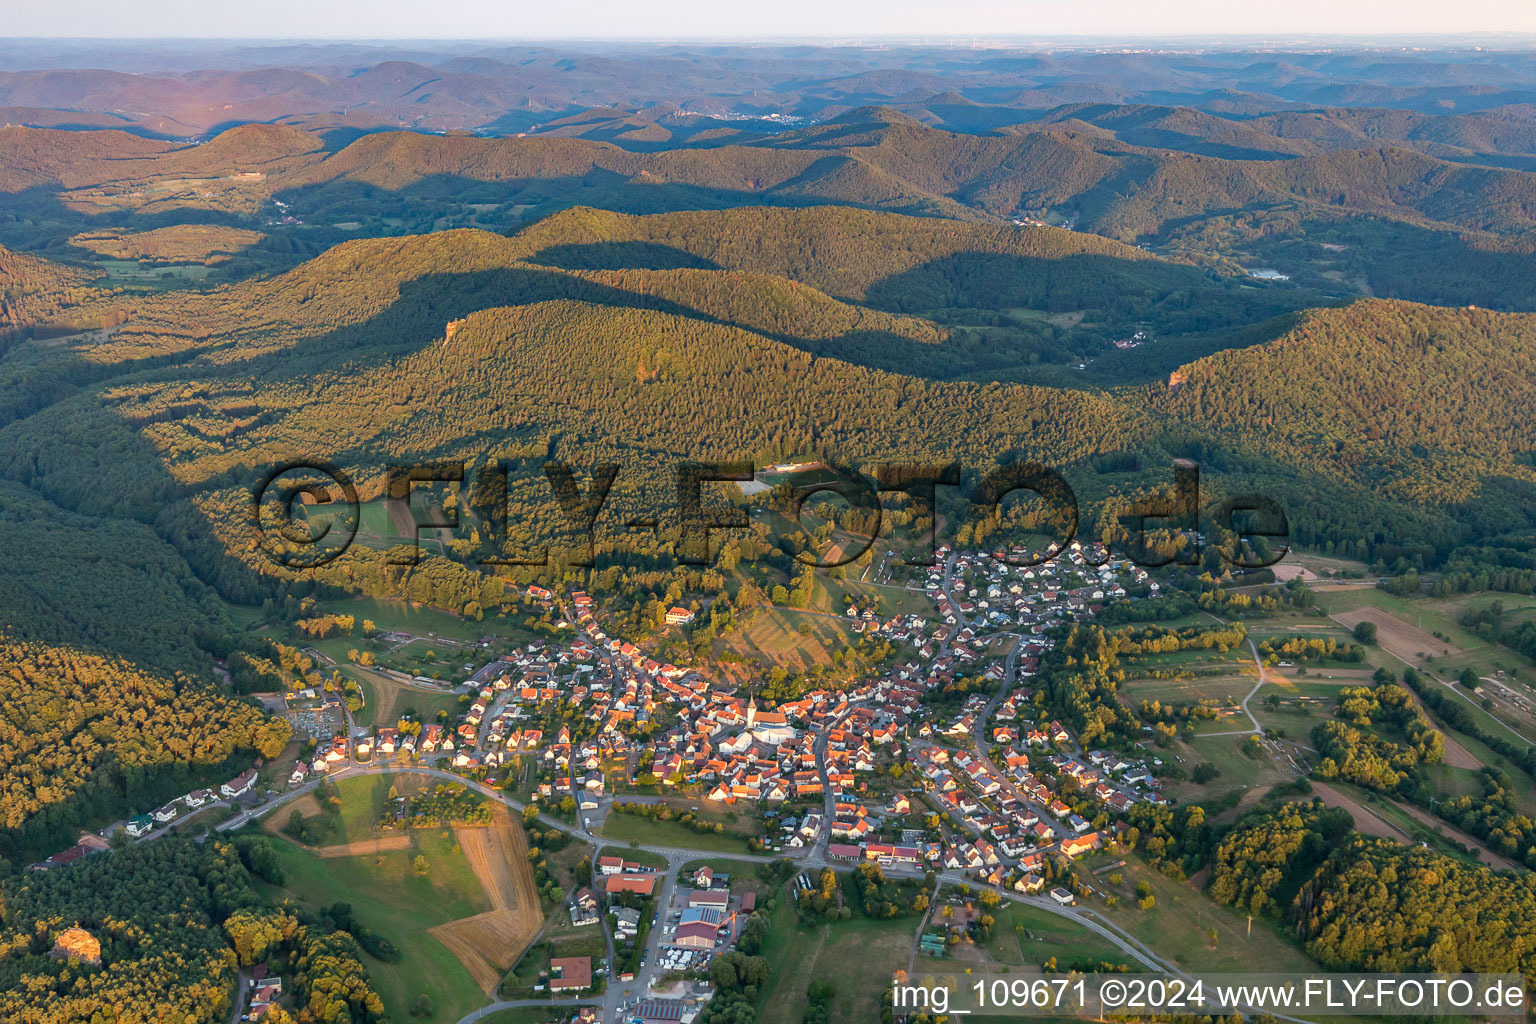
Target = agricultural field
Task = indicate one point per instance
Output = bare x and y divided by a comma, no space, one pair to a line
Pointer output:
797,640
484,906
488,944
1406,634
133,274
391,900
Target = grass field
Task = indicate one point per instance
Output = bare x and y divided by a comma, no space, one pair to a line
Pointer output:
886,600
1024,934
403,616
388,898
362,800
855,957
1238,770
1224,689
635,828
1194,931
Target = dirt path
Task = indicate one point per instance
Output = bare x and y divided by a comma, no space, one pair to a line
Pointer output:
1401,640
1366,820
366,847
1487,856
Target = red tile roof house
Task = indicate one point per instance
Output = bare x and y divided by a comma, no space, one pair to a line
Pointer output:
1080,844
642,885
570,974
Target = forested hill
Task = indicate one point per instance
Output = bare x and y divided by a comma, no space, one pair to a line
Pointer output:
31,157
882,263
844,252
1366,212
1504,137
565,172
39,156
873,159
459,344
86,737
1425,405
82,581
32,289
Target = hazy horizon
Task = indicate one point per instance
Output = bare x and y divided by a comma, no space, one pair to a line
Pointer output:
852,20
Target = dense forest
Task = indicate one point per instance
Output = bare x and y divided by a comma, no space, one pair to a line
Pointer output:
172,919
1365,904
84,581
85,738
405,345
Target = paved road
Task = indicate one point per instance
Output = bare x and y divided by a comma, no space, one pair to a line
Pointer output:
487,1010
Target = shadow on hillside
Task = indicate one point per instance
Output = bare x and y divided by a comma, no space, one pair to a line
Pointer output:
597,187
621,256
419,318
1121,294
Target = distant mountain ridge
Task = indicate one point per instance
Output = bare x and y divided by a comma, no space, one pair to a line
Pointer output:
187,91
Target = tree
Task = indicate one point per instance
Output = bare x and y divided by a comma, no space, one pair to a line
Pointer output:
1365,631
421,1006
420,866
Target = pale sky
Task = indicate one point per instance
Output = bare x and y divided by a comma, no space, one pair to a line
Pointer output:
493,20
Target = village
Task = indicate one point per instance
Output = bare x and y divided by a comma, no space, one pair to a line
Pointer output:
1011,788
891,771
